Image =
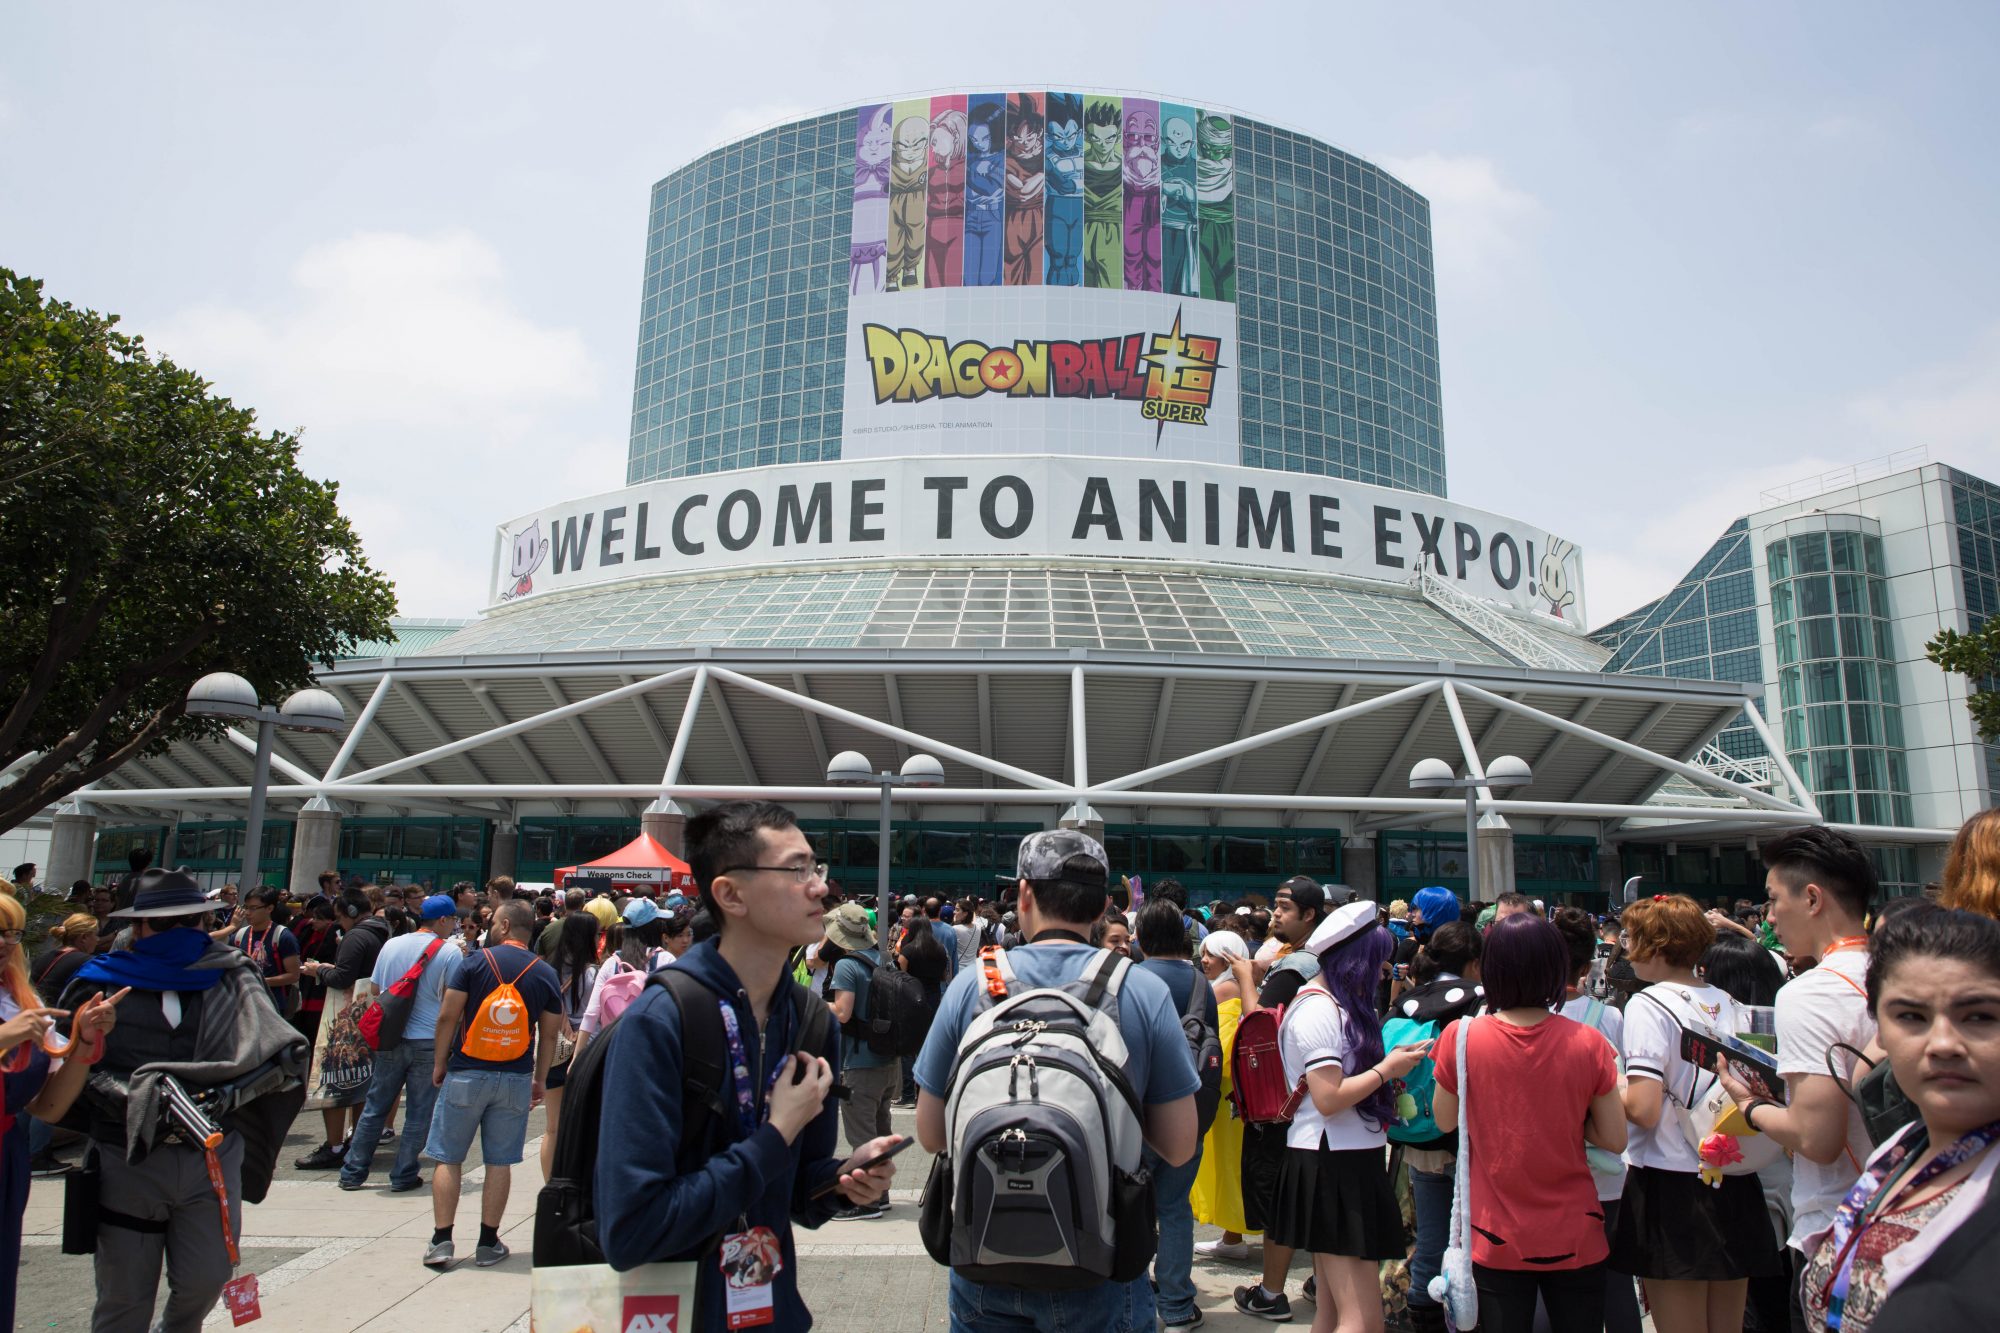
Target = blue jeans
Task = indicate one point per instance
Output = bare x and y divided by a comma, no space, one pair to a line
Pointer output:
1173,1262
1430,1191
405,1068
1112,1307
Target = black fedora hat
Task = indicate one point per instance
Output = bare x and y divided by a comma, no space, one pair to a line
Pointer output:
161,892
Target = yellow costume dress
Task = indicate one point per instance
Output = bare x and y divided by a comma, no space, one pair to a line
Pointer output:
1217,1195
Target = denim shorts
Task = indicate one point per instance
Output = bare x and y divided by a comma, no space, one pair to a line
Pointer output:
493,1103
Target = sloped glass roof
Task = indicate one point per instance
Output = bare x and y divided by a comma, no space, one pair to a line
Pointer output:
1158,611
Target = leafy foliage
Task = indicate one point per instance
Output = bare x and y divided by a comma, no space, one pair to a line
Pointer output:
153,534
1975,656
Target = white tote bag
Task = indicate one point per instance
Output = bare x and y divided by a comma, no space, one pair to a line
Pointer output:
596,1298
1453,1286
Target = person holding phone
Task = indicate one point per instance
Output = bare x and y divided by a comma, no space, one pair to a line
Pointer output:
1334,1200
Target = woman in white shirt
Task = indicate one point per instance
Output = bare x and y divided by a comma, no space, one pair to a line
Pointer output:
1334,1199
1695,1246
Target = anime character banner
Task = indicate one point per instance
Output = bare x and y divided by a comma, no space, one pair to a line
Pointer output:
909,198
1103,192
1037,188
868,250
1141,172
1034,370
944,258
1063,206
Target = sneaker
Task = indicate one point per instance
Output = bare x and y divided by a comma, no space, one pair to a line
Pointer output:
48,1165
388,1136
1252,1300
904,1103
1221,1249
859,1212
1311,1291
1193,1321
352,1185
323,1158
440,1256
416,1184
488,1255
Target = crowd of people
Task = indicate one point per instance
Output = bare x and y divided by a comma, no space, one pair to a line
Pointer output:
1551,1115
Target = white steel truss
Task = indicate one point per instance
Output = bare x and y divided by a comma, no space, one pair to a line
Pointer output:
1721,802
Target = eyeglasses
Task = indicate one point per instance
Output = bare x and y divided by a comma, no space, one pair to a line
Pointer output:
804,874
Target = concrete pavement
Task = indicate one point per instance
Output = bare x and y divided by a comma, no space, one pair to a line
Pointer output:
330,1261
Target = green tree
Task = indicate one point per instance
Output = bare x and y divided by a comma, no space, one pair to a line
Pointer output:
1976,656
152,534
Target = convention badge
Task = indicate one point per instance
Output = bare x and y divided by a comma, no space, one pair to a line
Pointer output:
750,1260
240,1295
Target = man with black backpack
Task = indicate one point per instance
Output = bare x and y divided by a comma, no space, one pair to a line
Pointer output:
715,1130
870,1056
1049,1071
1161,931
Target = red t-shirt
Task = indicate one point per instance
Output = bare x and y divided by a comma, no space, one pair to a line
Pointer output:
1534,1204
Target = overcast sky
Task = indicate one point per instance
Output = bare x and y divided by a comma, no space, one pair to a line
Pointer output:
1684,253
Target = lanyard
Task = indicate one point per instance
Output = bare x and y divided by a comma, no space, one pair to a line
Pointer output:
1857,1211
739,1066
1846,943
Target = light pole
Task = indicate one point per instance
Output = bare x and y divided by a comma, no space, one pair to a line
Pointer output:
225,694
850,768
1436,775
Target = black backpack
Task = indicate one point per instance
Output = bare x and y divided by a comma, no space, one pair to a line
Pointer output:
899,1013
566,1209
1205,1045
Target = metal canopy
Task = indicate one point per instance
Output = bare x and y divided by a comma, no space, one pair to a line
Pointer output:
1023,735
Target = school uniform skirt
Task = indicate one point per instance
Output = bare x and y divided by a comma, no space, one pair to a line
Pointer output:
1337,1201
1673,1227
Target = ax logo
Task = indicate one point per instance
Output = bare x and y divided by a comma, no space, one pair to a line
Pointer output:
651,1314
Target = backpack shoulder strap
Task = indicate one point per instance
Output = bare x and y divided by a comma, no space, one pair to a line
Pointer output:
1107,974
1593,1014
813,1020
998,975
704,1061
1195,1008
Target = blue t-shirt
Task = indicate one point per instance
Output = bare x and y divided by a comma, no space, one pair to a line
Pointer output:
399,956
1181,977
1157,1060
851,974
947,938
538,987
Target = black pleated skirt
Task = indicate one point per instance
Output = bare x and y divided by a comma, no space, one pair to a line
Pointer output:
1673,1227
1337,1201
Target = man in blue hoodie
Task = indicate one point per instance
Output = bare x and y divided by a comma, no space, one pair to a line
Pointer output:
655,1202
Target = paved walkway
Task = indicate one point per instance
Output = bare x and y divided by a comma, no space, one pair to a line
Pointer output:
329,1261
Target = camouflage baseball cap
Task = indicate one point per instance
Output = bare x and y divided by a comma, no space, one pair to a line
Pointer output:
1064,854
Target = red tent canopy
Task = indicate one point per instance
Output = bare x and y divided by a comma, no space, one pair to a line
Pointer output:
640,862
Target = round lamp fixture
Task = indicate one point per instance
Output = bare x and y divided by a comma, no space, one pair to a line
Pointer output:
923,770
222,694
1509,770
850,768
1431,775
313,710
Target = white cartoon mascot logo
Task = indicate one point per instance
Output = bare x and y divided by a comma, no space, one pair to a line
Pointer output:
530,549
1554,576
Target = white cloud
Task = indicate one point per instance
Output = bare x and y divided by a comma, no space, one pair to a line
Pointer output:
438,404
1479,223
1952,408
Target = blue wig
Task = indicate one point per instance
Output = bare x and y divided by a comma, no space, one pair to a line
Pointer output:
1352,970
1439,907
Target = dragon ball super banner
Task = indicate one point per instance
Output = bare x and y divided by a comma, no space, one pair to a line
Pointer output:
998,370
1043,189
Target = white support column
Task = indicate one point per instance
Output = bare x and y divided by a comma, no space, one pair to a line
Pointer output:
361,724
697,690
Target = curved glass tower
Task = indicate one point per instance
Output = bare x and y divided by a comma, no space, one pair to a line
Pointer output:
755,250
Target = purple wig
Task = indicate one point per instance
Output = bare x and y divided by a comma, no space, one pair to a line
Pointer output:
1352,971
1525,964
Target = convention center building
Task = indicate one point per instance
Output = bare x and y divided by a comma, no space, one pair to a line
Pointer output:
1091,444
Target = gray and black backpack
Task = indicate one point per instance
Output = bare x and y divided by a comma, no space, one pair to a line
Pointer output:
1041,1183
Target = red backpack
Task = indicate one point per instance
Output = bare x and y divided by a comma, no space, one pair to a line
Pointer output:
1257,1070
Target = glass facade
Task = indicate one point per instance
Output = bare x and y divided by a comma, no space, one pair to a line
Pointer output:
1843,727
743,315
1975,506
1705,629
1554,869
